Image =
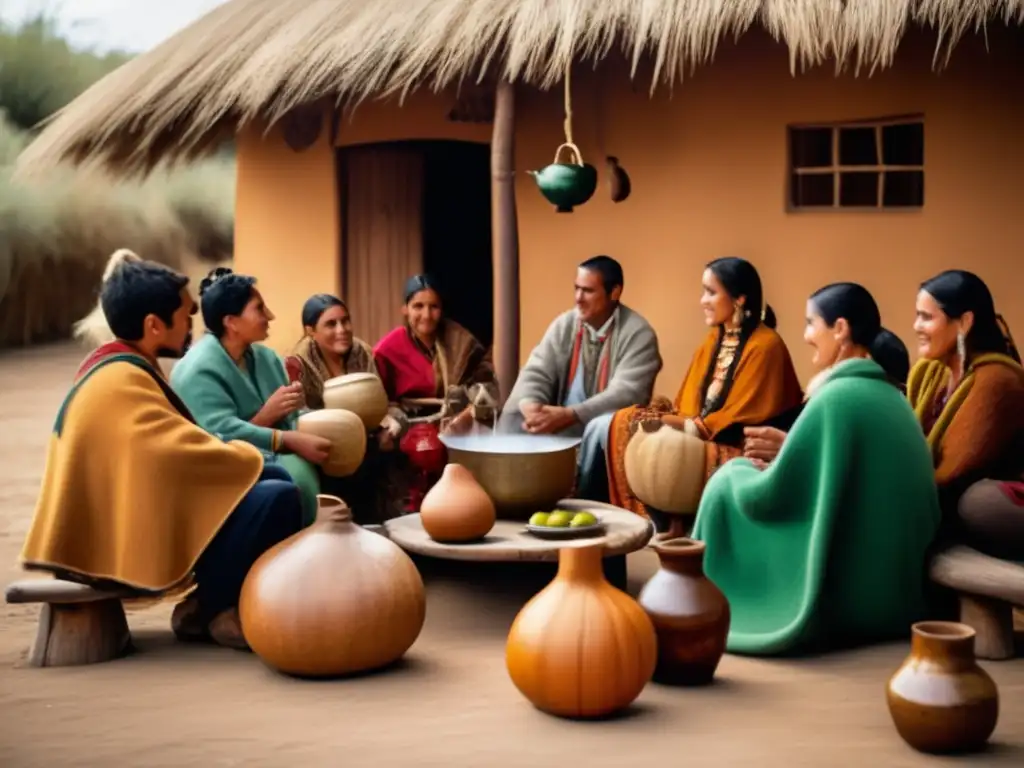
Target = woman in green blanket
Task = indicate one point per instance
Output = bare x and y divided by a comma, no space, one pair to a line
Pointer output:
238,389
826,546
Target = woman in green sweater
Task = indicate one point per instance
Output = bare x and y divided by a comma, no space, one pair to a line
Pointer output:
826,546
238,389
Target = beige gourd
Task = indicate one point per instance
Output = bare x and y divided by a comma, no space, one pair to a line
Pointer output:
665,469
347,434
361,393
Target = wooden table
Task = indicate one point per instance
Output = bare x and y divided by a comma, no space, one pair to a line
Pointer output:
509,542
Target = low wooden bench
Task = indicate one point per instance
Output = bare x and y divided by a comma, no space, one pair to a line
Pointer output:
988,590
77,624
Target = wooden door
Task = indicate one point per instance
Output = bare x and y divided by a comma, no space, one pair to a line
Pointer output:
383,232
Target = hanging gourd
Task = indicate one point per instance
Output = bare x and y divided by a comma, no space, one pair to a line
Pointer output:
619,185
347,434
580,647
334,599
361,393
571,183
665,468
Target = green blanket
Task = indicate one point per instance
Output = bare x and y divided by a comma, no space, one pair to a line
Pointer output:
223,398
827,545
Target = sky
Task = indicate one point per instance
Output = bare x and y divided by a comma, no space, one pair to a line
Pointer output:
130,25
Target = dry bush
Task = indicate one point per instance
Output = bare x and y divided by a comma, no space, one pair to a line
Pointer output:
57,235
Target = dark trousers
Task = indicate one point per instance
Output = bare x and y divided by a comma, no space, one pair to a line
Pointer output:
269,513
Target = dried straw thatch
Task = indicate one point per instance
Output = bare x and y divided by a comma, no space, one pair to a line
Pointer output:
257,59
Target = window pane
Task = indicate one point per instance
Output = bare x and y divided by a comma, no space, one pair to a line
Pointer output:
810,147
903,144
858,188
903,189
857,146
809,190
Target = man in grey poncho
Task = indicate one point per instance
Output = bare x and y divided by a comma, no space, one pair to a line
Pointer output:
593,360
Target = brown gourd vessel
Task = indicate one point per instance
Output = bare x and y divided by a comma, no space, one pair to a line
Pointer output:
332,600
940,700
580,647
689,612
457,509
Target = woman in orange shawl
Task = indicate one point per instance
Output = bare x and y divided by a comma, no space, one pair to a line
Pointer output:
741,375
968,392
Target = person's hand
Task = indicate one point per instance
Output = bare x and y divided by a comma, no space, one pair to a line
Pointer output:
284,401
762,444
312,448
549,419
459,425
529,409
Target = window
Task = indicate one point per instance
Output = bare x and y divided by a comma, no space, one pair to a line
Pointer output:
869,164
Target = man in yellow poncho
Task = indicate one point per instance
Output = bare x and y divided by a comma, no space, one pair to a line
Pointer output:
133,491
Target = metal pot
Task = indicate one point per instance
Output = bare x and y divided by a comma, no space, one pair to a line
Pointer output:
521,473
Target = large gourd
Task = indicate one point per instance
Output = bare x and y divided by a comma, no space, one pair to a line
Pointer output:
361,393
580,647
665,468
334,599
347,434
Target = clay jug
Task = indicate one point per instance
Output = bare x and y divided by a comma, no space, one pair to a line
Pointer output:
361,393
457,508
665,468
332,600
690,614
940,699
347,434
580,647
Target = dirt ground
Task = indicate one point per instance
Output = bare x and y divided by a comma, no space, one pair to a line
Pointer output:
451,704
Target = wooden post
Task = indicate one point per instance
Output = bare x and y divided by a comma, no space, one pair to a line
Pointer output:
505,238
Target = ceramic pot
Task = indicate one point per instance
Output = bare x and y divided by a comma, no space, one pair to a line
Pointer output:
457,508
940,700
361,393
347,434
580,647
332,600
422,444
690,614
665,468
567,185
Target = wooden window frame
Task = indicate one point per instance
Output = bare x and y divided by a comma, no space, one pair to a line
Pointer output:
836,170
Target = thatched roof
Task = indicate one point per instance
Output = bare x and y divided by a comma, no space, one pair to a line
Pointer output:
257,59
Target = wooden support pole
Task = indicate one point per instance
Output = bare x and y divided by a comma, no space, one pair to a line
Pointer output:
505,238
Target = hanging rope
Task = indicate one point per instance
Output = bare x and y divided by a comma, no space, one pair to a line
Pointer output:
568,103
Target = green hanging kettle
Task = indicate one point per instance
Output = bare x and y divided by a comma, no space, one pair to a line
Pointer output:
566,185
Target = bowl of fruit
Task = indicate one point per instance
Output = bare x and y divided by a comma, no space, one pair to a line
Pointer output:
565,524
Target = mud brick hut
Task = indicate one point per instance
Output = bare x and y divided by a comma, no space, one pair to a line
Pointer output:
868,140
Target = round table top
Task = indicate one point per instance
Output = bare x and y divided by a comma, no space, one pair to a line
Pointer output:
509,541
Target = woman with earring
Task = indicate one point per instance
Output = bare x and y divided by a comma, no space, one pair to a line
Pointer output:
741,375
827,545
968,393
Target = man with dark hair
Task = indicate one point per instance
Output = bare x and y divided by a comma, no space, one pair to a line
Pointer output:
134,492
593,360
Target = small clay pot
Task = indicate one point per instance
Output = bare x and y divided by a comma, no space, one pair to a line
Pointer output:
690,614
457,509
940,700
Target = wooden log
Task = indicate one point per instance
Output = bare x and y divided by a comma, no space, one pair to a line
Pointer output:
505,239
72,634
992,622
968,571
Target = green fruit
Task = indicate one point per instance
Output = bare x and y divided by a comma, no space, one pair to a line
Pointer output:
539,518
559,519
583,518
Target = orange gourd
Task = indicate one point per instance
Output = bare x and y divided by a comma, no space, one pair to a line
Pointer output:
457,508
347,434
580,647
334,599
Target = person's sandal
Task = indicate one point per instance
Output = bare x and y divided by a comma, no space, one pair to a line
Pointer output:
187,624
226,630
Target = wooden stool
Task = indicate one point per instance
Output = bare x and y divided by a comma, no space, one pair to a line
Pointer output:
77,624
988,589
